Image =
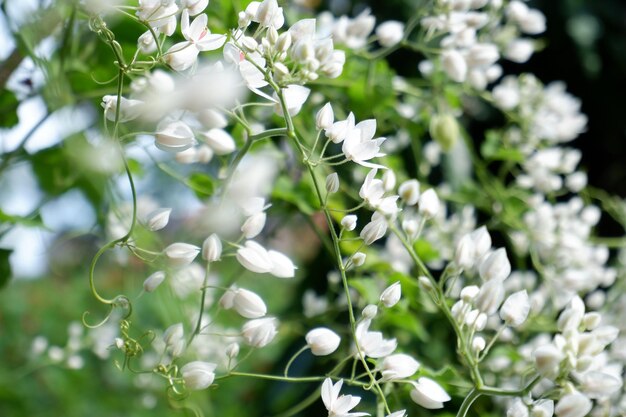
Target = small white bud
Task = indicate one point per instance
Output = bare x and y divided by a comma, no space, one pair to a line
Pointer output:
254,225
490,297
174,137
391,295
248,304
260,332
542,408
425,283
469,293
592,320
325,117
158,219
322,341
282,267
332,183
547,360
495,266
349,222
174,340
428,393
153,281
284,42
409,192
249,44
478,344
398,366
181,254
464,255
358,259
220,141
232,350
390,33
212,248
428,205
573,405
374,230
370,311
515,309
454,65
198,375
389,180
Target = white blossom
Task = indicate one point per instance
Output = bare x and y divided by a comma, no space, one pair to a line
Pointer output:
322,341
198,375
428,393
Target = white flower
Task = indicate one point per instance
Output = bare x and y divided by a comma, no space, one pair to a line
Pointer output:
158,219
260,332
254,225
282,267
160,14
248,304
543,408
454,65
373,344
398,366
547,360
198,375
129,110
519,50
174,136
174,339
295,96
198,38
338,131
212,119
325,117
254,257
153,281
391,295
220,141
515,309
359,145
338,406
181,254
195,6
358,259
212,248
322,341
517,409
428,393
598,385
482,241
390,32
268,14
495,266
428,204
375,229
573,405
464,254
232,350
372,189
490,297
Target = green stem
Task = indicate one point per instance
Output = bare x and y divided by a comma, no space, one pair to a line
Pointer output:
293,358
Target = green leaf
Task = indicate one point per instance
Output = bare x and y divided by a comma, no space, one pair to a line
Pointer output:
8,109
5,266
425,251
201,184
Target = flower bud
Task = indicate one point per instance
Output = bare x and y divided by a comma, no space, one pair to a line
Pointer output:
158,219
469,293
517,409
260,332
249,44
322,341
248,304
444,129
370,311
515,309
573,405
181,254
174,137
428,204
478,344
454,65
428,393
519,50
358,259
174,340
391,295
153,281
490,297
325,117
542,408
254,257
464,254
220,141
389,180
598,385
398,366
482,241
232,350
198,375
390,33
212,248
409,192
282,267
284,42
212,119
547,360
253,225
349,222
374,230
332,183
495,266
